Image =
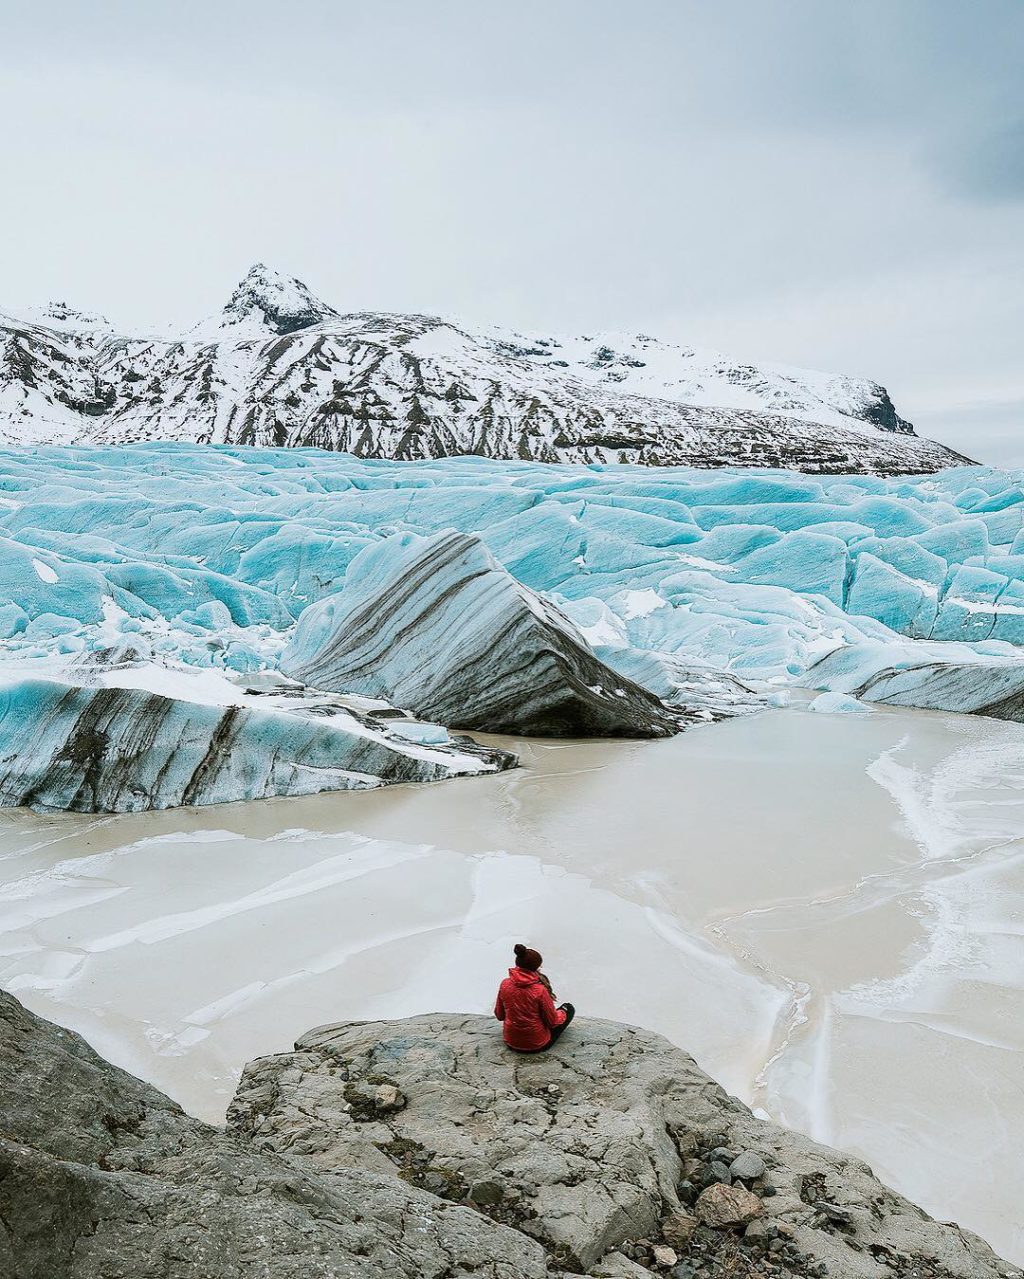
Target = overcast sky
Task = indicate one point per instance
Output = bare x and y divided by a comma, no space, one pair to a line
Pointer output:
822,182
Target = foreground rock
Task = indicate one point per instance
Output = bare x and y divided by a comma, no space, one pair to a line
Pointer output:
102,1177
424,1148
597,1150
115,750
436,625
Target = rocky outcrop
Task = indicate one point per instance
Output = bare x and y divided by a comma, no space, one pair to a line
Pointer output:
103,1177
425,1148
613,1145
435,625
116,750
264,302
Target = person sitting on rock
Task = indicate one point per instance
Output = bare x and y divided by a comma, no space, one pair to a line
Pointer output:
526,1006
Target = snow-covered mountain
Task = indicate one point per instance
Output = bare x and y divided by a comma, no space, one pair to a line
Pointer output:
280,367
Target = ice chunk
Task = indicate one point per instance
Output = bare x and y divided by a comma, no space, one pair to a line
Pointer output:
838,704
697,688
802,561
946,677
436,626
109,749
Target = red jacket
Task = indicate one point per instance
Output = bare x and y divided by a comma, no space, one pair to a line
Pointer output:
527,1011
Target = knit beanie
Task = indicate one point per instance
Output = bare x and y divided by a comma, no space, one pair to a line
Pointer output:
527,959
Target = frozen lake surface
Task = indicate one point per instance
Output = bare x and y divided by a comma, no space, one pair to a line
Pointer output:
826,910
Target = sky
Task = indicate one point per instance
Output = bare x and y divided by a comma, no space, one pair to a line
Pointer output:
816,182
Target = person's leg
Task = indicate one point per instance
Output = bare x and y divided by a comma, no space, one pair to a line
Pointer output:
570,1013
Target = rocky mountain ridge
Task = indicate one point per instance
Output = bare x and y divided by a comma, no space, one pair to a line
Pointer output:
423,1147
280,367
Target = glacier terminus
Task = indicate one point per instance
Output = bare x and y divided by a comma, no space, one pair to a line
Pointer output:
292,620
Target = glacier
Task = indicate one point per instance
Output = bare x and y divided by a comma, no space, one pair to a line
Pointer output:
706,591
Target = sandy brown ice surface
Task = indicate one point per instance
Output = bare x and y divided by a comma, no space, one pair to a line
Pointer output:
825,909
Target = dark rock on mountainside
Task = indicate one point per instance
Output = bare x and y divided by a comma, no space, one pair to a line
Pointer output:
435,625
117,750
424,1148
268,300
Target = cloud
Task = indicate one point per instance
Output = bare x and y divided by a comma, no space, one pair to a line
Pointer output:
991,165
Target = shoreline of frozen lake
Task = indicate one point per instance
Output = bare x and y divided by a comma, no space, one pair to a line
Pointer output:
825,909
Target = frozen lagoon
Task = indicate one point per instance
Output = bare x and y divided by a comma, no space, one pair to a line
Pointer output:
825,909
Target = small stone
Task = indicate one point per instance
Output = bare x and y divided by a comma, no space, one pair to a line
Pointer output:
786,1228
683,1271
768,1191
723,1155
686,1191
617,1265
748,1166
757,1230
664,1256
554,1089
720,1172
776,1245
722,1205
677,1229
388,1098
486,1193
686,1143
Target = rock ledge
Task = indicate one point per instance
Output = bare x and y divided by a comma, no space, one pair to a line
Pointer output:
423,1147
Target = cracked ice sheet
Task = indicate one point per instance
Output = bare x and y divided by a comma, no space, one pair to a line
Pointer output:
826,910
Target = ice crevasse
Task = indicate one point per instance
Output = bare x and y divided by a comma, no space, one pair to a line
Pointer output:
196,563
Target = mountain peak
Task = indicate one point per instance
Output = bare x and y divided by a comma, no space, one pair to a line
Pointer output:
64,318
267,301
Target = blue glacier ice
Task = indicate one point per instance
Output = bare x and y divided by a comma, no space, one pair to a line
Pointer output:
437,626
694,584
105,748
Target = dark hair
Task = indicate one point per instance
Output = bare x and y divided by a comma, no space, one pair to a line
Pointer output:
527,959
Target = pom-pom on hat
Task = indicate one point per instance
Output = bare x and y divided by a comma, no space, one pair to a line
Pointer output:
527,959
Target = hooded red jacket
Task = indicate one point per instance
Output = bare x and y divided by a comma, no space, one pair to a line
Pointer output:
527,1011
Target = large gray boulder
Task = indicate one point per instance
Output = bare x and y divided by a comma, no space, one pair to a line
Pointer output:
437,626
423,1149
592,1148
103,1177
